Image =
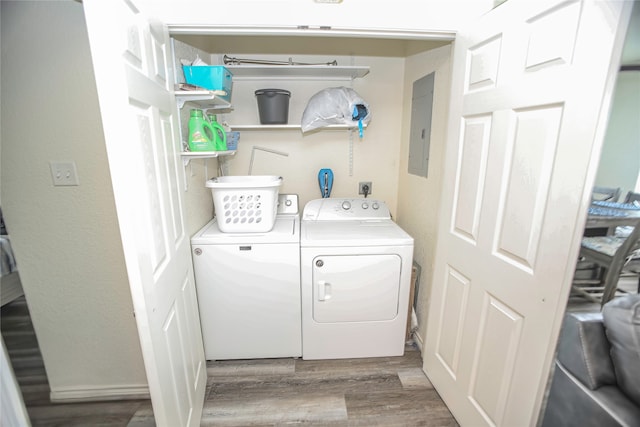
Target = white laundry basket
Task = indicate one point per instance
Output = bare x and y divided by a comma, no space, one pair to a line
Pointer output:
245,204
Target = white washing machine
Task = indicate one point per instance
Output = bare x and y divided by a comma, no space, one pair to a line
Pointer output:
355,278
248,287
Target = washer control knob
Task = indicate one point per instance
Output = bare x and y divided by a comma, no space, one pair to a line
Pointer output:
198,251
319,263
288,202
375,205
365,205
346,205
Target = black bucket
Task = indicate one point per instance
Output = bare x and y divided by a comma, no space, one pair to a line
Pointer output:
273,106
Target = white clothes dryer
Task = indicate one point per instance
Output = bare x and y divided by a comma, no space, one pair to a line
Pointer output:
355,279
248,287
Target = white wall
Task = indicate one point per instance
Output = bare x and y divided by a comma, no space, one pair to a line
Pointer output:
620,158
419,197
66,239
375,156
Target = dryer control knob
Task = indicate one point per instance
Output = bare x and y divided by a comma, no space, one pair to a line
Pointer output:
287,202
346,205
198,251
375,205
365,205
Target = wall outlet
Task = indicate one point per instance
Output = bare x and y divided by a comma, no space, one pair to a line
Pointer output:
365,185
64,173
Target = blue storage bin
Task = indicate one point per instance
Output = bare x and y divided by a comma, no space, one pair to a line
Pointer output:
233,138
211,77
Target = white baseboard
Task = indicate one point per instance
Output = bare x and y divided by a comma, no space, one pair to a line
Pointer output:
418,340
81,394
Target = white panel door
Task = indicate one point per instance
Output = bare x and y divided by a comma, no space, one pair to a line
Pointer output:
531,87
139,116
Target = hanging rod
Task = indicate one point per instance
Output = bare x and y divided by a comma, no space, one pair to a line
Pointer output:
228,60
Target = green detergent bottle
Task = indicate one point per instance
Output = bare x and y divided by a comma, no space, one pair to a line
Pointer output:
201,133
219,134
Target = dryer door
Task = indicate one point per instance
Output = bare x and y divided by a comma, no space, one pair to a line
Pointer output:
356,288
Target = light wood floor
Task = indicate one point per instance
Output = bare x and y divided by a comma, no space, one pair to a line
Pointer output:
273,392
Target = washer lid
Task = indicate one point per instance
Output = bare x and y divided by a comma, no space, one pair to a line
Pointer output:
353,233
286,229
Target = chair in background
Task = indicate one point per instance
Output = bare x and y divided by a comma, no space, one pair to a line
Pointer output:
611,253
632,197
632,264
605,194
632,268
602,194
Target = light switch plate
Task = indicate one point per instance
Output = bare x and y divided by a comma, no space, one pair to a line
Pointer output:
64,173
